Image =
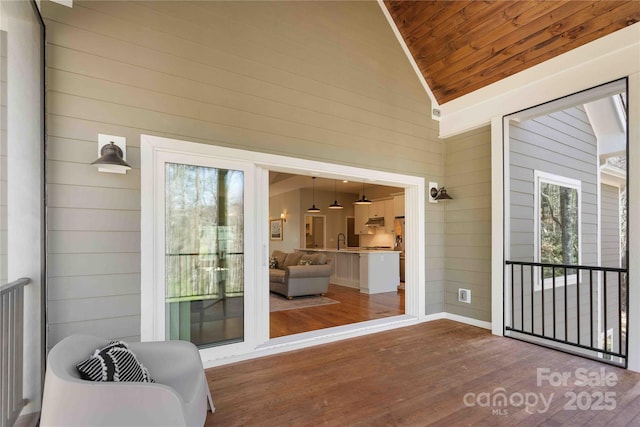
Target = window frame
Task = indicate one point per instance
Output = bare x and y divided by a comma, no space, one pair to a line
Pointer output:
540,177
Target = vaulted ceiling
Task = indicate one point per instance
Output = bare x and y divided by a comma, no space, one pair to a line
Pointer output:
461,46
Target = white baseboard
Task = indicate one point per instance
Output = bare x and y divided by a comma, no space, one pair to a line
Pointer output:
468,320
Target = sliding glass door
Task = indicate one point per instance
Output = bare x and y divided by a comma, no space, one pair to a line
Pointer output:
204,254
198,284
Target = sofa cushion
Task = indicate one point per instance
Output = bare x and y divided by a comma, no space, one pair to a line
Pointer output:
280,256
115,362
292,259
315,259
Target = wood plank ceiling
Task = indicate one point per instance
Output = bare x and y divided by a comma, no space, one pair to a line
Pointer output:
462,46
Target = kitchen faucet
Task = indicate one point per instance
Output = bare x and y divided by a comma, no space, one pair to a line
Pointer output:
344,239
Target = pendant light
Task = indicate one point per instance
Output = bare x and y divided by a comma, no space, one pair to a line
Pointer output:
363,200
335,204
313,208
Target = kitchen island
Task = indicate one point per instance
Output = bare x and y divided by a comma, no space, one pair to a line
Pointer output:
370,270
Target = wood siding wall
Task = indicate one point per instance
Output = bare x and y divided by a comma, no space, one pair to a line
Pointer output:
315,80
467,221
561,143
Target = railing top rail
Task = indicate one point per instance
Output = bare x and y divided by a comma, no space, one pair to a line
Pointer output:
578,267
24,281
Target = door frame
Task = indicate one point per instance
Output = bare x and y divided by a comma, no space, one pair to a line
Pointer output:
257,340
153,313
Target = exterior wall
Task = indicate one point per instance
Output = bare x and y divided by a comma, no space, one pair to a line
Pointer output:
317,80
561,143
467,221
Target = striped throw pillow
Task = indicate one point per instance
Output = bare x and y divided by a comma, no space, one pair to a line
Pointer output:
115,362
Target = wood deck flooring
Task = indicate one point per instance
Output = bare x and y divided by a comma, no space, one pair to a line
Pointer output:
439,373
354,307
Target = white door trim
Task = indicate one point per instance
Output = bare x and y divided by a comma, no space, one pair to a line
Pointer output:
152,146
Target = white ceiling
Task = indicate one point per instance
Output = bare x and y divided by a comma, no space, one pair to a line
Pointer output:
280,182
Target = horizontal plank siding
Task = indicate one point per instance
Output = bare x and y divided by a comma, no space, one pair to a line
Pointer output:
324,81
561,143
468,224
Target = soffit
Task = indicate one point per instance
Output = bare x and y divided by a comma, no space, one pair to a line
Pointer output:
463,46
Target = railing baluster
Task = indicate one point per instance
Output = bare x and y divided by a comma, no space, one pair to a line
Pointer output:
604,311
553,279
578,282
532,302
566,307
521,296
620,313
512,301
591,307
543,302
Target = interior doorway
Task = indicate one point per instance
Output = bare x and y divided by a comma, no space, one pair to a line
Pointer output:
347,246
314,231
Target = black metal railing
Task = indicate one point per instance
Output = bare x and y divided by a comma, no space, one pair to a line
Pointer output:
575,308
11,351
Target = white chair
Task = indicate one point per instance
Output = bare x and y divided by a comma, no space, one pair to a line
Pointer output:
178,397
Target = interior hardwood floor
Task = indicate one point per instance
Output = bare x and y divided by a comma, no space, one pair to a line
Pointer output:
422,375
354,307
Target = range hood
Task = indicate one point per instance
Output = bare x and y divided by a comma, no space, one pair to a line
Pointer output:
375,222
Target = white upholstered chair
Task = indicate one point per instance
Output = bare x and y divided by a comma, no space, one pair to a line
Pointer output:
179,396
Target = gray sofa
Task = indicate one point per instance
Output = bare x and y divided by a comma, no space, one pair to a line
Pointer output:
296,273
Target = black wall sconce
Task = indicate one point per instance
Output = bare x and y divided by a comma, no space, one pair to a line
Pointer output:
111,154
437,193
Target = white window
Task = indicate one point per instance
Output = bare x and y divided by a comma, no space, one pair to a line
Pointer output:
557,218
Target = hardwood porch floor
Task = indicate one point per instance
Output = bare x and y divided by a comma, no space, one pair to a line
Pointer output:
422,376
354,307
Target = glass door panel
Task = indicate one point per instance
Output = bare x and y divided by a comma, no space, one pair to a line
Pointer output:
204,254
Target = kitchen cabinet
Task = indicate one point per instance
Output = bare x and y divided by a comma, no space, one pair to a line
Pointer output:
371,271
389,216
361,218
379,272
376,209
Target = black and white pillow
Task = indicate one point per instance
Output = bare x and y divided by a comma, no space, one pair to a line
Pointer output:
115,362
273,262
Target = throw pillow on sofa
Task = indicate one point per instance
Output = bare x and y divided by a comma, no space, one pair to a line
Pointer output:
273,263
280,257
315,259
292,259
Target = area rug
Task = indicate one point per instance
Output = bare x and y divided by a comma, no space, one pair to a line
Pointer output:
280,303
